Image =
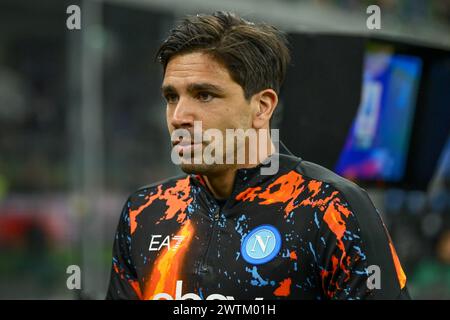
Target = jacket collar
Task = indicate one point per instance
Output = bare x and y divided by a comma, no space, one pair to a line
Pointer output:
251,177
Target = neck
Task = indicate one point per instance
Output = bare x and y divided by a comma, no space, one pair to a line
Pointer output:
221,183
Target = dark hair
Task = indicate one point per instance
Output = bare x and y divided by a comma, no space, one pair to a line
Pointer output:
256,55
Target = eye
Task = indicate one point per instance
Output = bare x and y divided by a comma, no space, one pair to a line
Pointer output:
171,98
205,96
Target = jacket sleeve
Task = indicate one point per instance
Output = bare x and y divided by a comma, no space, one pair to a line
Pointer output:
123,282
356,257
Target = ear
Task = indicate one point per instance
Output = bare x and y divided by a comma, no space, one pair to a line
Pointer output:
266,101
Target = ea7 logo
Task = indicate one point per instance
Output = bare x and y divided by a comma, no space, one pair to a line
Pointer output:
156,244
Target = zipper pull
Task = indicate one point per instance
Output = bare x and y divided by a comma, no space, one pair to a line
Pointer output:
217,215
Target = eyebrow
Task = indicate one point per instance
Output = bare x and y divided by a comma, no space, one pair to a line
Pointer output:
194,87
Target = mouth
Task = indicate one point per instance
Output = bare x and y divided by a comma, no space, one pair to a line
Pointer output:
185,146
183,143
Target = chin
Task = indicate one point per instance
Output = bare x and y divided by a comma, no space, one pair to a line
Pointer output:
194,168
203,169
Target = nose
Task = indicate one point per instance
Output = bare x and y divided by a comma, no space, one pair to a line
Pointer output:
182,115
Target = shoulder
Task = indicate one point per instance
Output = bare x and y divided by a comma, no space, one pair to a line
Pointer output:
365,218
348,191
145,191
145,197
351,199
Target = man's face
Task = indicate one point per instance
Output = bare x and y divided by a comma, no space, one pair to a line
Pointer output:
198,88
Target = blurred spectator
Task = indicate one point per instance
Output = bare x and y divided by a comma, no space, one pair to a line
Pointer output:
431,280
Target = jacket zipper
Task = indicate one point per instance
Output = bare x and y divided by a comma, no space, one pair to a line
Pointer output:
204,266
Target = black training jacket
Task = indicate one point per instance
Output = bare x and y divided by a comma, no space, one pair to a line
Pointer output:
303,233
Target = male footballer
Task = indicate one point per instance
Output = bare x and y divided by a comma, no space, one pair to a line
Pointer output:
265,225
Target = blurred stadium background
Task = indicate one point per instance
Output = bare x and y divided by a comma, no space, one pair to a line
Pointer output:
82,124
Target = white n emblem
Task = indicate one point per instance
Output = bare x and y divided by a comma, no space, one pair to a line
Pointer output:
262,245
